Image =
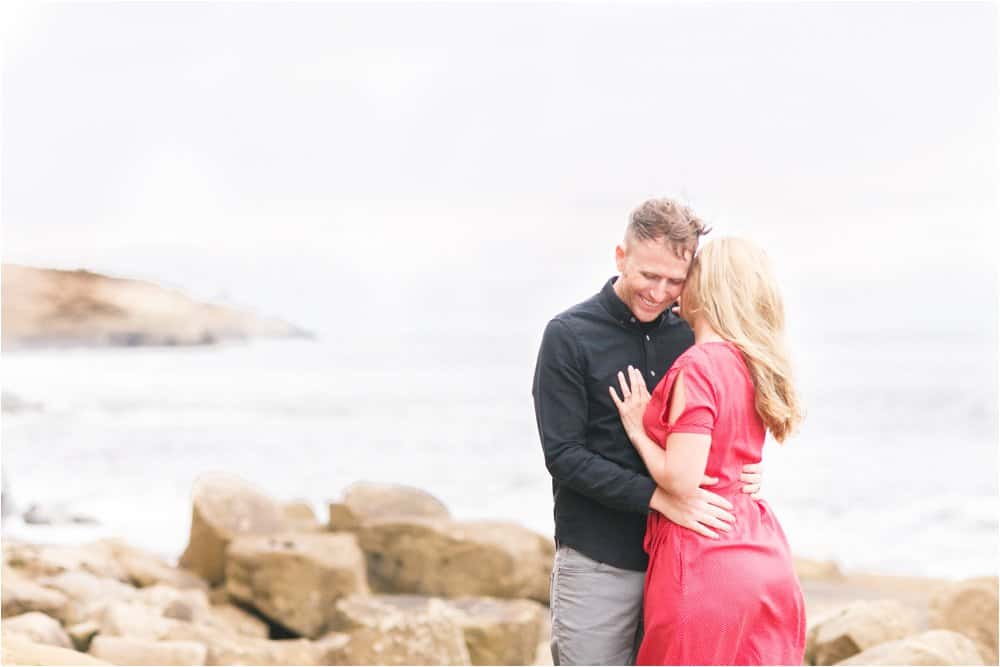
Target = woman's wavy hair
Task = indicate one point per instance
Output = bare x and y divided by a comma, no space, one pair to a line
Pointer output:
731,285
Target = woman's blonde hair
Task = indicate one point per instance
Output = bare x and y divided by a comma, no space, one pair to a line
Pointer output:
731,285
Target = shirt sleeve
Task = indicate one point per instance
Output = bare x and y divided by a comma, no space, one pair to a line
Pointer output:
561,410
700,400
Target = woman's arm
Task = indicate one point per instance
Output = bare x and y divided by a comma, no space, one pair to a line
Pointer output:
680,473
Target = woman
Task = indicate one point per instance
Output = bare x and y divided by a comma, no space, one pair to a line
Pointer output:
732,599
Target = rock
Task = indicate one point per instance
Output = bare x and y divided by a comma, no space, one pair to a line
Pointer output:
543,654
301,518
219,594
396,630
264,652
225,646
55,307
936,647
39,628
51,515
136,621
13,404
225,507
366,501
87,594
856,627
456,558
239,621
7,505
183,604
224,649
125,651
970,607
817,569
34,561
18,650
81,634
146,569
295,579
21,595
500,632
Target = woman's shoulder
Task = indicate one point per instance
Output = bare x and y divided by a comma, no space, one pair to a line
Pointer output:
709,358
696,355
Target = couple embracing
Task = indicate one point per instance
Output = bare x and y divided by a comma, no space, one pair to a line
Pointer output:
652,420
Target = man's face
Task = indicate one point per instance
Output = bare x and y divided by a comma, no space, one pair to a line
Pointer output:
652,276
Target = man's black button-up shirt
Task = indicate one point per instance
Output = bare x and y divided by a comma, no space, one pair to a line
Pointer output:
600,487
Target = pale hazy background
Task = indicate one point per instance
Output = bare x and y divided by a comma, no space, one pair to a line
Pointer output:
425,185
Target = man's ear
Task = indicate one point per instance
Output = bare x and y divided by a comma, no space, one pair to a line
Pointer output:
620,258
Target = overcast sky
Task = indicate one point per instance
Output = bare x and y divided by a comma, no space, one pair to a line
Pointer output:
852,139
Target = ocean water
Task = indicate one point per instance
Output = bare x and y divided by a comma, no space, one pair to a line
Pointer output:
894,471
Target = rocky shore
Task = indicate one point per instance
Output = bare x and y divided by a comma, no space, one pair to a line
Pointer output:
390,577
50,307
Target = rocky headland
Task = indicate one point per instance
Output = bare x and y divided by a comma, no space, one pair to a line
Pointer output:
52,307
389,577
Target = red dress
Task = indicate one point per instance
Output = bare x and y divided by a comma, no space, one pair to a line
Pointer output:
734,600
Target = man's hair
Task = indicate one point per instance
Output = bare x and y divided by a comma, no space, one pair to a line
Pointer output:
667,220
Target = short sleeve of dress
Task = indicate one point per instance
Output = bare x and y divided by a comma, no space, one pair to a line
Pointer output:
700,400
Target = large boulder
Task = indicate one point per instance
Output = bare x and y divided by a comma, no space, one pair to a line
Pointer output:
246,651
19,650
224,645
367,501
39,628
806,569
228,649
856,627
457,558
35,560
301,517
87,594
397,630
970,607
936,647
225,507
543,653
21,595
296,579
239,621
135,620
500,632
146,569
125,651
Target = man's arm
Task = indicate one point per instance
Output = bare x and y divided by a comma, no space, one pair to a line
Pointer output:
561,411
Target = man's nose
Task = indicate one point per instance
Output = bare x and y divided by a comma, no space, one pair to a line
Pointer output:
660,291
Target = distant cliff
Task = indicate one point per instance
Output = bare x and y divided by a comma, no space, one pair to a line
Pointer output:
55,307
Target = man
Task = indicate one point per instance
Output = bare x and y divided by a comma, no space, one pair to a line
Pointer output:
602,492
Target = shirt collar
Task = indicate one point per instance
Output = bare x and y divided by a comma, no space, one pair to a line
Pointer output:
614,305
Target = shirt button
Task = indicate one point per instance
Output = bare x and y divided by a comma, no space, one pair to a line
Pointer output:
647,336
653,373
631,319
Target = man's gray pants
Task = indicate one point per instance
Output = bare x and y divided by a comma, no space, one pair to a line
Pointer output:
596,611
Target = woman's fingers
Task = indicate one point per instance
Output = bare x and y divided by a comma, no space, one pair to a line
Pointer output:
715,523
751,488
721,514
614,397
624,385
702,530
638,382
715,499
